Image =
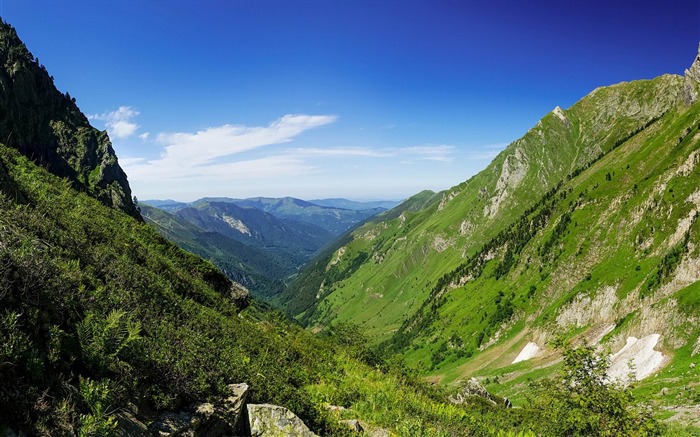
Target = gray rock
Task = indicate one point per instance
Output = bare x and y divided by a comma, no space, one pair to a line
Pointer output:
694,71
472,388
273,421
231,408
353,424
129,426
173,424
204,419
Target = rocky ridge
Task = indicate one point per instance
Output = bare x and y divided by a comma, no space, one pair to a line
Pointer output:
46,126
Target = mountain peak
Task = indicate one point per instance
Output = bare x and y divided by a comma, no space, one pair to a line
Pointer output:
694,71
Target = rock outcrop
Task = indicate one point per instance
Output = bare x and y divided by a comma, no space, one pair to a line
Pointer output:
46,126
694,71
202,419
272,421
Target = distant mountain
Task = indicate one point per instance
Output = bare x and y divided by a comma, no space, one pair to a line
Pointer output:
351,204
253,247
259,270
293,239
167,204
258,242
331,217
335,220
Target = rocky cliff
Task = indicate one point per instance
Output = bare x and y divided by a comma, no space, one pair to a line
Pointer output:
47,126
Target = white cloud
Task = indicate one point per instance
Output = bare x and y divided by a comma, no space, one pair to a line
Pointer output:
144,136
442,153
119,123
202,147
196,156
342,151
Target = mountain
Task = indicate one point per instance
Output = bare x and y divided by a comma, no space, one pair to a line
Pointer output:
166,205
47,126
258,270
296,241
106,326
258,242
585,229
351,204
335,220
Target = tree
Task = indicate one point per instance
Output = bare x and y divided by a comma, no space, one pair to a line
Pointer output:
583,401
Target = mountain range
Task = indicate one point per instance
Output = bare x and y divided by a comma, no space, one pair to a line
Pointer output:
258,242
431,318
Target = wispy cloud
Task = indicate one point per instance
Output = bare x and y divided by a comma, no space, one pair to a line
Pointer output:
442,153
205,146
199,155
428,152
487,152
342,151
119,123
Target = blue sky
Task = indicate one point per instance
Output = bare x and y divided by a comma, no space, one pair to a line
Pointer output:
357,99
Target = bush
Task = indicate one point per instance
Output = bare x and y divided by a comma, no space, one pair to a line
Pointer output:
582,401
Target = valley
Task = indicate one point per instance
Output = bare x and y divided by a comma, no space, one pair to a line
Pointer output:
259,242
555,292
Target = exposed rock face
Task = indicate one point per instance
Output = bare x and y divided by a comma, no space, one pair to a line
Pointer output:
201,420
354,425
694,71
47,127
472,388
689,92
272,421
231,408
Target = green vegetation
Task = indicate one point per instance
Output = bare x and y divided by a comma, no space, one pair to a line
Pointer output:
586,224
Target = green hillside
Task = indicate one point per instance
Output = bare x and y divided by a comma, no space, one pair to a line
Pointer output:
584,228
98,312
396,262
102,318
259,271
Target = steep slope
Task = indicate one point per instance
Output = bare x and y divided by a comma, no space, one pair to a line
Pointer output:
385,273
101,317
261,272
47,126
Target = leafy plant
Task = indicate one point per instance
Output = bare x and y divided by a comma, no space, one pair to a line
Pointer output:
582,400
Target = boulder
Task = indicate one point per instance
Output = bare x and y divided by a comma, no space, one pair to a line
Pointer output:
353,424
231,407
203,419
129,426
472,388
173,424
267,420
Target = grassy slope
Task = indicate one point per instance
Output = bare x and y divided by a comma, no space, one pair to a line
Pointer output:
388,269
632,229
97,310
